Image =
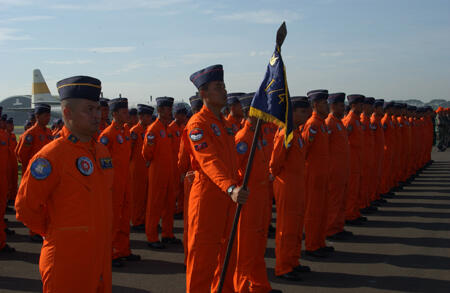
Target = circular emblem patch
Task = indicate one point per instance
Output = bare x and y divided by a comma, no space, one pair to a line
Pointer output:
242,147
85,166
29,138
196,134
40,168
119,139
104,140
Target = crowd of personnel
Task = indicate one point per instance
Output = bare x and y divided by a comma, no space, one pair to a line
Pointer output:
86,181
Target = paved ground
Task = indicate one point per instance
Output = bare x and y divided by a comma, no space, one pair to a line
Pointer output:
405,247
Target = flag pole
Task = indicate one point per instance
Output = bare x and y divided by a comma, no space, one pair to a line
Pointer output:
281,35
239,207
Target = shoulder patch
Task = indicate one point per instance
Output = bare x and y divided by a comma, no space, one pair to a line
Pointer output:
106,163
40,169
312,130
215,129
104,140
196,134
29,138
85,166
242,147
72,138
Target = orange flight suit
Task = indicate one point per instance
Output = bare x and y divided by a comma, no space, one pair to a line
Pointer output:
356,141
367,162
251,273
397,153
389,133
317,159
378,156
403,135
339,174
139,176
268,131
65,195
211,210
117,139
158,150
413,147
4,156
32,141
184,167
177,131
235,123
288,167
12,167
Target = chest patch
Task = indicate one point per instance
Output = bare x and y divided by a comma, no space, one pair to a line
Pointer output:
150,138
199,147
40,169
119,139
104,140
106,163
29,138
85,166
242,147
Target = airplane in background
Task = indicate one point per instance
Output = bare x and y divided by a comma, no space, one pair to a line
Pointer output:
40,94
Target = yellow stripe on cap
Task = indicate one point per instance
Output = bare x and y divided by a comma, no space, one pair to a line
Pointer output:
85,84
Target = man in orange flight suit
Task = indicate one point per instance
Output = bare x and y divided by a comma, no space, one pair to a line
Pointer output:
12,161
117,140
65,195
378,151
367,158
251,273
177,128
32,141
132,118
389,133
139,168
4,157
396,159
185,168
287,165
215,189
339,169
158,149
315,133
356,141
236,114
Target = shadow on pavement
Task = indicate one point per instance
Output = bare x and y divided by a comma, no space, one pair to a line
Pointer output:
343,280
435,226
417,205
20,255
153,267
120,289
20,284
420,241
426,197
395,213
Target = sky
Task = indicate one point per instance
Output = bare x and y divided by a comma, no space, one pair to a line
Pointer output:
395,49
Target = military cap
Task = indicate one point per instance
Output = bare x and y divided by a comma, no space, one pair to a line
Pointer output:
388,105
352,99
300,102
4,117
145,109
246,100
79,87
397,105
118,103
206,75
196,102
40,108
164,102
369,101
336,98
411,108
179,108
316,95
104,102
132,112
378,103
10,120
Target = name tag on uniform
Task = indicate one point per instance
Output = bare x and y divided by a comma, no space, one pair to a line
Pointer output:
106,163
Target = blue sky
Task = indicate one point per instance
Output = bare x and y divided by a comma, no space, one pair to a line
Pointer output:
397,49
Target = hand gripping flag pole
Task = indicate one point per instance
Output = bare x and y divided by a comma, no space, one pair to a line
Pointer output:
271,103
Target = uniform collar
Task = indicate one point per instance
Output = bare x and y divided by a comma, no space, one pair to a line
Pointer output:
205,111
317,116
117,126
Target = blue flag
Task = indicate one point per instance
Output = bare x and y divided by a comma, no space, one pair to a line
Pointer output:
272,102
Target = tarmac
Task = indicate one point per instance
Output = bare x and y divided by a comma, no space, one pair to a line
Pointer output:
404,247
